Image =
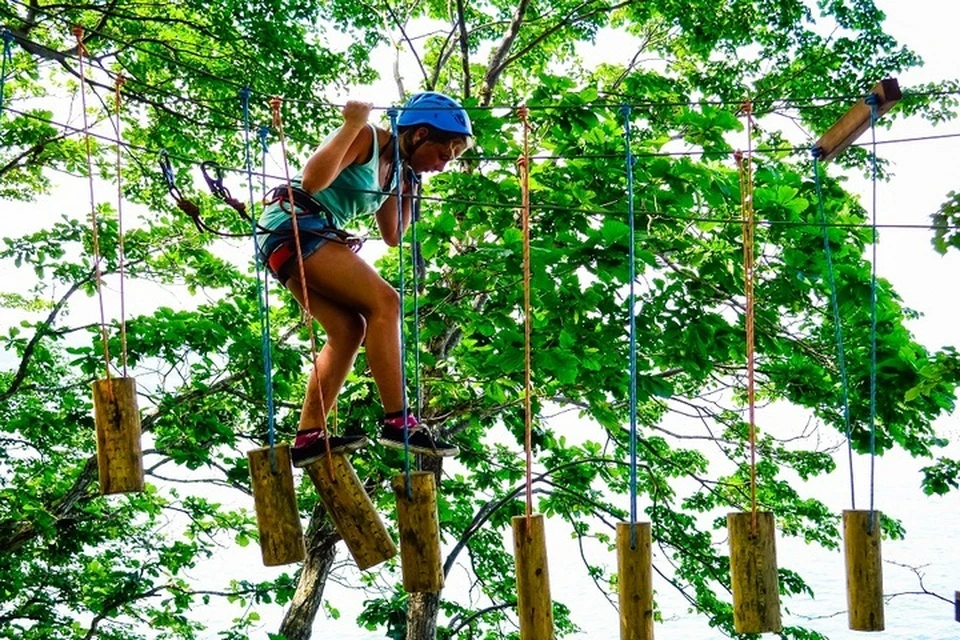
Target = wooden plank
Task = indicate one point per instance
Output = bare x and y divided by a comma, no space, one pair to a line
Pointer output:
861,543
275,501
856,120
419,532
753,573
534,605
119,457
635,581
352,511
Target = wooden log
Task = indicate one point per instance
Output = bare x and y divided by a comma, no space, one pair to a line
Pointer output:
119,457
352,512
635,580
534,605
753,572
956,606
419,532
856,120
861,543
275,501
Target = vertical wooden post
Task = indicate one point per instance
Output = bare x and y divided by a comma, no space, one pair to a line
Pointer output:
275,500
956,605
753,572
119,458
419,532
352,512
861,543
635,577
534,605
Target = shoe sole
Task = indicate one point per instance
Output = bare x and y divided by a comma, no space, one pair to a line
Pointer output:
423,451
350,448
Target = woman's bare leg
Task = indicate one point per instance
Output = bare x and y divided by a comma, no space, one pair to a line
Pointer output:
340,279
345,331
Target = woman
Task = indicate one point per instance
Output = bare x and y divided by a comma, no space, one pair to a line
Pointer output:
352,174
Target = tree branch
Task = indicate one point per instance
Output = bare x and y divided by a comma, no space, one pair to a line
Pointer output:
496,64
41,332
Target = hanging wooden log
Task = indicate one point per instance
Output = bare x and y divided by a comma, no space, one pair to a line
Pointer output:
119,457
419,532
753,572
861,543
275,501
635,579
534,605
352,511
856,120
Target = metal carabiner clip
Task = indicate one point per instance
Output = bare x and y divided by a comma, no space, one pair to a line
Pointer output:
166,168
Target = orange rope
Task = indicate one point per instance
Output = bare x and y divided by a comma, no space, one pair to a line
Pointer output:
123,312
524,165
81,52
278,124
749,226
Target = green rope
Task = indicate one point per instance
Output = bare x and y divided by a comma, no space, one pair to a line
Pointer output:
838,329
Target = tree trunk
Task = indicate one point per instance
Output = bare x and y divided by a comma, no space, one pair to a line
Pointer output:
321,545
422,610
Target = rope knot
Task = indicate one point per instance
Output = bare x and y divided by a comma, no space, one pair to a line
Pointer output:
81,47
275,102
189,208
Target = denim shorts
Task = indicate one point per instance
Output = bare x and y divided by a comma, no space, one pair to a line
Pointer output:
314,231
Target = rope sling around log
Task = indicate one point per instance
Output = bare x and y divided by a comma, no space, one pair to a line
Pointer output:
344,496
279,527
418,520
863,562
116,415
634,559
534,604
752,534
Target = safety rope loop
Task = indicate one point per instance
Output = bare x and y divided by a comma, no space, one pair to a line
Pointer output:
263,303
631,311
523,164
745,170
213,176
118,84
7,55
838,329
94,223
874,101
275,104
393,114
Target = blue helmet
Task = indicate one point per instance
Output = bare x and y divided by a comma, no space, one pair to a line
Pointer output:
437,110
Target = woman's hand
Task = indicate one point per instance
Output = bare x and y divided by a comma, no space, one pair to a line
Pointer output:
356,112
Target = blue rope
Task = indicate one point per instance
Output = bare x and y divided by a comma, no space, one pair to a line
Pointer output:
7,55
873,101
417,257
262,288
631,304
403,350
838,330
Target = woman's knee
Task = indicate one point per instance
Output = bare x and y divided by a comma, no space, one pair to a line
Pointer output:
349,334
387,303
